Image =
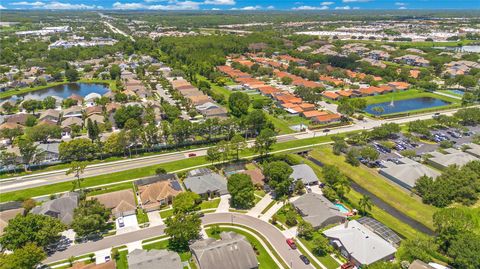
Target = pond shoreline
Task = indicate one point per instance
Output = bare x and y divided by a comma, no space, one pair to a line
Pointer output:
110,84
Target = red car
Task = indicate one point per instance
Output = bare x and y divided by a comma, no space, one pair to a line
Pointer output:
291,243
348,265
192,154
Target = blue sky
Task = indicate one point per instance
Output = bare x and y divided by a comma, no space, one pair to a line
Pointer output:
239,4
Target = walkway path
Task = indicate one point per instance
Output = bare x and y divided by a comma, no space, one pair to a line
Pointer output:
224,204
256,211
448,95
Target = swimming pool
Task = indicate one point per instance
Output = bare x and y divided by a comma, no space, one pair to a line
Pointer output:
342,208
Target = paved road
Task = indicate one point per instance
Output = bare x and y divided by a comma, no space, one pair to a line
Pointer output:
273,235
47,178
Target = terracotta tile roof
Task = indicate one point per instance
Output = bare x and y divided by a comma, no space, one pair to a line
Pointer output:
344,93
313,113
328,118
330,95
256,175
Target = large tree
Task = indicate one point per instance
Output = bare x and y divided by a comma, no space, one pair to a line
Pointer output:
241,189
238,102
465,251
278,176
182,228
264,142
43,132
127,112
38,229
27,257
77,150
186,202
28,150
237,144
90,217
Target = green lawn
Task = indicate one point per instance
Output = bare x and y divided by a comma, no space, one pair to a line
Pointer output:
122,262
408,94
166,213
263,257
272,203
281,215
379,186
117,187
142,217
210,204
184,256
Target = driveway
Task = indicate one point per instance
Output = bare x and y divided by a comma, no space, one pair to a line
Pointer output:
256,211
224,204
154,218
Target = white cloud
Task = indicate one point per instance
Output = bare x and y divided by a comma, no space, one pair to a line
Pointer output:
356,1
271,7
2,7
310,8
59,5
400,4
215,8
344,8
257,7
185,5
402,7
24,3
220,2
327,3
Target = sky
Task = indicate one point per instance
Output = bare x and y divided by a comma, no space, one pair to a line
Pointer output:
239,4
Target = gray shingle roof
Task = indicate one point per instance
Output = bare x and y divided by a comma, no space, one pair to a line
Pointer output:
452,157
61,208
233,251
305,173
153,259
318,210
407,173
205,183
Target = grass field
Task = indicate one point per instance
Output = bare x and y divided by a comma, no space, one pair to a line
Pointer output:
408,94
374,183
264,259
326,260
353,198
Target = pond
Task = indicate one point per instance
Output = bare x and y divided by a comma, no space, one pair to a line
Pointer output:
459,92
406,105
66,90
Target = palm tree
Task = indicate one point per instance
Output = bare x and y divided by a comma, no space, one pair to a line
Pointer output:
76,168
365,204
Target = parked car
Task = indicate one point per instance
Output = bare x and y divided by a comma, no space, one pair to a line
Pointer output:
291,243
121,223
348,265
192,154
304,259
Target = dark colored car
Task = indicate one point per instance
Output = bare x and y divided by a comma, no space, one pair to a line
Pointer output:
304,259
192,154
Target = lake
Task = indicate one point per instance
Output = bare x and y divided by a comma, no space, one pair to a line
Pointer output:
406,105
66,90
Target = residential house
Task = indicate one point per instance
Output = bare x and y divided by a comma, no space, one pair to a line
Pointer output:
318,210
206,183
68,123
212,110
90,98
153,259
450,157
50,152
9,211
157,191
418,264
61,208
93,110
325,119
99,119
232,251
406,172
50,115
304,173
360,245
20,118
256,175
413,60
122,203
74,111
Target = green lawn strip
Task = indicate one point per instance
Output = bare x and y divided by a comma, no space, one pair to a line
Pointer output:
166,213
326,260
142,217
280,125
102,179
122,262
117,187
184,256
272,203
260,193
281,215
408,94
242,211
374,183
76,259
263,257
210,204
216,88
